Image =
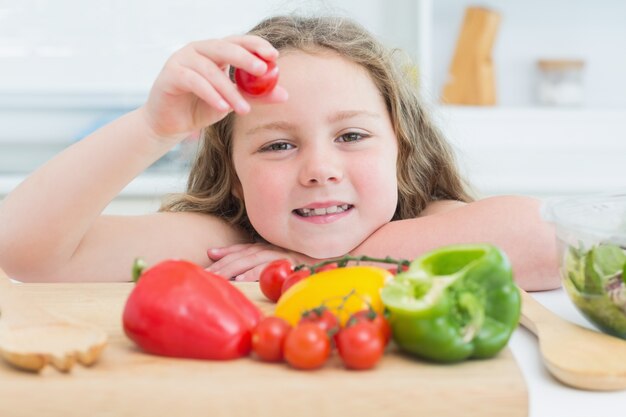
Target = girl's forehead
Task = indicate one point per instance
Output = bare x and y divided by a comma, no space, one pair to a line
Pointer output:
315,59
327,73
319,83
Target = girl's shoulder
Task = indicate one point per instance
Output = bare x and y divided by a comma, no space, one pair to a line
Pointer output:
201,225
441,206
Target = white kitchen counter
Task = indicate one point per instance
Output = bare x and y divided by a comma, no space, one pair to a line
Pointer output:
547,396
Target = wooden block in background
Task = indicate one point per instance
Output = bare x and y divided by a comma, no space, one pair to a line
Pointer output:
471,79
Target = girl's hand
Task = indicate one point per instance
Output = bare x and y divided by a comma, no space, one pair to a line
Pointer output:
245,262
193,89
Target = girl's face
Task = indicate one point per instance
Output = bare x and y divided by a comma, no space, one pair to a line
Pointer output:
318,172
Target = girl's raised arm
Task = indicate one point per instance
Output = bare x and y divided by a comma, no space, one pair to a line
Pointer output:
50,225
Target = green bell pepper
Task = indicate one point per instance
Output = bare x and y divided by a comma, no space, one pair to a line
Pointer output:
454,303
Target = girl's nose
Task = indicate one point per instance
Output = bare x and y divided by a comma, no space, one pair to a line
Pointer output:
319,168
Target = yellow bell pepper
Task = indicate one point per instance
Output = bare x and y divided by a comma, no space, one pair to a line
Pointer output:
343,291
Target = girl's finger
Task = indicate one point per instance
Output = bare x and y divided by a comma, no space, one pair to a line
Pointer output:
233,265
195,83
236,262
256,44
249,262
252,275
215,254
219,80
226,250
224,53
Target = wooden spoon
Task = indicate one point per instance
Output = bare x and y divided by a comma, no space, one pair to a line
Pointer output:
576,356
31,338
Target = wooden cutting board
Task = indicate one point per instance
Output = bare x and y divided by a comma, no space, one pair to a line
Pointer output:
127,382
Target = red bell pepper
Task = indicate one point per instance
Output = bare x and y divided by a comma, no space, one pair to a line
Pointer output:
178,309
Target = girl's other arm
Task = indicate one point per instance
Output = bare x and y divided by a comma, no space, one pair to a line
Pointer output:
510,222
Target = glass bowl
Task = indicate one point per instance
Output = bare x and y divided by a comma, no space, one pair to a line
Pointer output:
591,240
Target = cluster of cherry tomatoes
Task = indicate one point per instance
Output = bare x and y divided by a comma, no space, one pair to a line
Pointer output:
360,342
308,345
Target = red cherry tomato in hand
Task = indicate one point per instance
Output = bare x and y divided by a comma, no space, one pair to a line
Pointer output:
360,345
257,86
272,278
307,346
268,338
376,319
294,278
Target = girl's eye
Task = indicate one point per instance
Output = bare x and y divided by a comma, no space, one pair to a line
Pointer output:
351,137
276,147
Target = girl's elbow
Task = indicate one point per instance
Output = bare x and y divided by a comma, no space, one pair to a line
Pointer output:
531,242
538,272
539,238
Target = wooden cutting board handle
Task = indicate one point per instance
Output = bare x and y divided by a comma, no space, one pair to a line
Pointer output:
471,78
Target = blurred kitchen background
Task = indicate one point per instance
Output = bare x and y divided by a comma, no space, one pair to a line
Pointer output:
556,124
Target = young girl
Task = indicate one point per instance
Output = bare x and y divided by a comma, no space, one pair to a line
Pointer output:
339,158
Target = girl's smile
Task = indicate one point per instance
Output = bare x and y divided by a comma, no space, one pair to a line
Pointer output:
318,172
325,212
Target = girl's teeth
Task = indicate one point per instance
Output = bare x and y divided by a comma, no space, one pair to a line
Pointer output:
305,212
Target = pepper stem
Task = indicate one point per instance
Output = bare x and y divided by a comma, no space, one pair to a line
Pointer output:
343,261
138,266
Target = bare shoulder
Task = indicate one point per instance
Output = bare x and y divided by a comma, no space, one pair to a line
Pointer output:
190,220
177,232
112,243
441,206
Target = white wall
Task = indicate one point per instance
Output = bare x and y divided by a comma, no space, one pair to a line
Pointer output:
120,45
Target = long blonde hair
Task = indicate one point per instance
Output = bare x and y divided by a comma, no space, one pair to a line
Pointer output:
426,169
